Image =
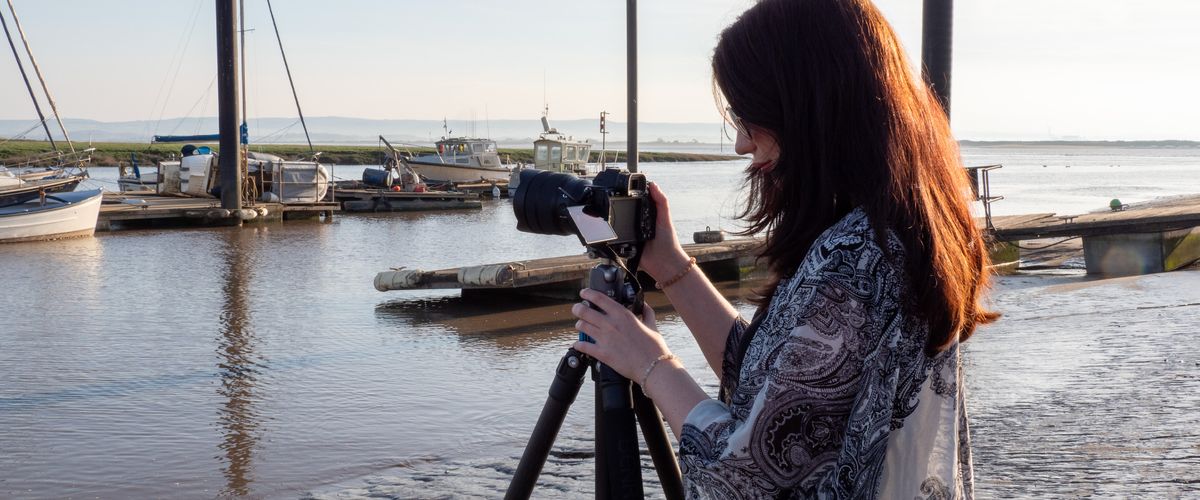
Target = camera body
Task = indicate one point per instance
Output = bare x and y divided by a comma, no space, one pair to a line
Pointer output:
613,209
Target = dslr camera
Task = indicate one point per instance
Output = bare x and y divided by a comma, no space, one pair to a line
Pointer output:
612,210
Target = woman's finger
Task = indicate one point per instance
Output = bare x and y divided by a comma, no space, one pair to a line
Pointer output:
596,332
660,200
588,348
583,312
648,318
604,302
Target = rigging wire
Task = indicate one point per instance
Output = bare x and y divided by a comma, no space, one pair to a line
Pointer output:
178,66
289,75
199,120
21,135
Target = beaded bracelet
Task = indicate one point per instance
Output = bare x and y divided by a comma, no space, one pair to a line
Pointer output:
650,368
675,279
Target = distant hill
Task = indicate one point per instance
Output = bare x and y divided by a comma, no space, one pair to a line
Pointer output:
510,133
341,130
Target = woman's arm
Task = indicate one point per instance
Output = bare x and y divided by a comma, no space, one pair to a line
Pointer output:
705,312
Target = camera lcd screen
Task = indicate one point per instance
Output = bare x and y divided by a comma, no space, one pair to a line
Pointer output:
591,230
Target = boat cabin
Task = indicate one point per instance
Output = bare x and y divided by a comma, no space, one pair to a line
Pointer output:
461,149
558,153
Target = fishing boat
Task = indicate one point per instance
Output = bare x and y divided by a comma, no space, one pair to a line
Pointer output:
460,160
557,152
55,216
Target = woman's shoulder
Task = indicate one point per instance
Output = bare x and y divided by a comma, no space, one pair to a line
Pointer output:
852,245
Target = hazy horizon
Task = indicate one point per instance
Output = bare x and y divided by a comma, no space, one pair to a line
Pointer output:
1023,70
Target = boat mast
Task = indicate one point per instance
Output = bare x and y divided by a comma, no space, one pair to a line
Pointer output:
28,86
228,109
38,71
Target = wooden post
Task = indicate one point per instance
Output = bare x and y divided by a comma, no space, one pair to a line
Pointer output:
937,40
631,156
228,109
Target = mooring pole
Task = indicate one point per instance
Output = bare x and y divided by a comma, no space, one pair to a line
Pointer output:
631,154
937,39
227,97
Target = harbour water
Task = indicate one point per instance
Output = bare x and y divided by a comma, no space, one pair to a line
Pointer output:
261,362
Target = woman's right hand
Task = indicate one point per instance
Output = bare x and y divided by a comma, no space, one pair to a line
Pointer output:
663,256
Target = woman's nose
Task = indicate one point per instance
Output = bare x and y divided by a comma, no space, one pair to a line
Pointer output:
743,145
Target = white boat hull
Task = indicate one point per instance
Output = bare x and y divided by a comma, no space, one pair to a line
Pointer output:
66,221
436,173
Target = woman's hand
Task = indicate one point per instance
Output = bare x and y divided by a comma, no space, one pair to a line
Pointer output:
623,342
662,256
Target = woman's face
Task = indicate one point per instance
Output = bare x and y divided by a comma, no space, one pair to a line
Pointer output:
756,142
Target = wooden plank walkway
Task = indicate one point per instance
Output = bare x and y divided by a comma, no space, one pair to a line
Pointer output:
383,200
537,272
149,208
1163,214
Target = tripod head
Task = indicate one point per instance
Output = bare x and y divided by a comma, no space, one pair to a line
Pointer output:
616,278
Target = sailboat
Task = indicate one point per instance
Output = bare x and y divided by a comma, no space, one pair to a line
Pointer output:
53,172
272,178
37,203
51,217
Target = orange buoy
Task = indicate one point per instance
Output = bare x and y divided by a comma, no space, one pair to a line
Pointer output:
396,188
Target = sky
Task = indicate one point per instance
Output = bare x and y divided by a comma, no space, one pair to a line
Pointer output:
1022,69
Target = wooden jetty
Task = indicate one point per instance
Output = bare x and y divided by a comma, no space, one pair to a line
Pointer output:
1155,236
384,200
148,209
560,276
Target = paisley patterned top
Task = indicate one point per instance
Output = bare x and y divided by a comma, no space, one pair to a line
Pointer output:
835,397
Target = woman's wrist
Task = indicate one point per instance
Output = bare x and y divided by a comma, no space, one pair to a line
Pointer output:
659,372
671,266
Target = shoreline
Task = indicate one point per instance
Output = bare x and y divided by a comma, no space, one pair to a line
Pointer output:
118,153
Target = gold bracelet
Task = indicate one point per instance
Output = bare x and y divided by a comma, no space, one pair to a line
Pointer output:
675,279
654,363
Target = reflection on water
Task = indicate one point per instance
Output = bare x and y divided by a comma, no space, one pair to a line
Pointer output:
239,367
261,362
511,322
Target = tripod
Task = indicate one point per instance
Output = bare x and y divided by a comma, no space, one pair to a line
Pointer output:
619,403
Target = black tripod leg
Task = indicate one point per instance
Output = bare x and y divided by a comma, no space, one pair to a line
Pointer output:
660,446
568,377
622,457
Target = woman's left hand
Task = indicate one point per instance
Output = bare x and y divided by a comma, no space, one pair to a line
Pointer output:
623,342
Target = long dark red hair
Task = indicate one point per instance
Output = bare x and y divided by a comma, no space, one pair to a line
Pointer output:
829,81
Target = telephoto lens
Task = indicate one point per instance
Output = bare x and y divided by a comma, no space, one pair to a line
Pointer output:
542,198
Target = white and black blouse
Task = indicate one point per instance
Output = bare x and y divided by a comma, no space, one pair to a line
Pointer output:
834,396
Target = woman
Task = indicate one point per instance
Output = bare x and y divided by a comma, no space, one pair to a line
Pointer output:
847,384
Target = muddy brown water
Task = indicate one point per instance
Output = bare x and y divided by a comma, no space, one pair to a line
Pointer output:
260,362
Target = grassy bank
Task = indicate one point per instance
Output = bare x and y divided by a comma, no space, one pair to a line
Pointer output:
114,153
